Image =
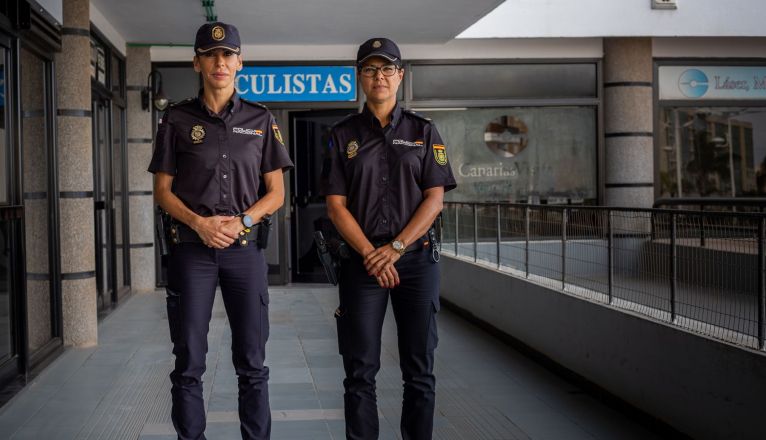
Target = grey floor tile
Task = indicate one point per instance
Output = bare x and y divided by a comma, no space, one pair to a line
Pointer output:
485,390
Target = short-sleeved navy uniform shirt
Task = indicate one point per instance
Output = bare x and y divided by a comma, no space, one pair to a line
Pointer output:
217,159
383,172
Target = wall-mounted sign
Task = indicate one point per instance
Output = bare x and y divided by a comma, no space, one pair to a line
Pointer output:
297,83
712,82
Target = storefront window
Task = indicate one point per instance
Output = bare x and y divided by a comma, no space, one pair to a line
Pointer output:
539,155
3,134
712,151
5,226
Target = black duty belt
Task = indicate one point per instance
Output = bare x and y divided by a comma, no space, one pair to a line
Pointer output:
184,234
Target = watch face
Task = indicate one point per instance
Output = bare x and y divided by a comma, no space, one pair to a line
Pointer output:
247,221
398,245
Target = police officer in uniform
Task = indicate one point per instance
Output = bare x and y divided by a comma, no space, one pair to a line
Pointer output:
385,186
212,154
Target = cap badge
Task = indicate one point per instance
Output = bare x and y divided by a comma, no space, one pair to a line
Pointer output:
440,154
218,33
197,134
351,149
376,44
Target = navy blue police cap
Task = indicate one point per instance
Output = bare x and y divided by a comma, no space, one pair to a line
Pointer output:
379,47
216,35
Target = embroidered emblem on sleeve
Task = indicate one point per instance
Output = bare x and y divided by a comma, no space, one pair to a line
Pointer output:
277,134
440,154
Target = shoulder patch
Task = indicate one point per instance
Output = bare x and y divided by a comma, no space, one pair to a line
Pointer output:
255,103
417,115
344,120
184,102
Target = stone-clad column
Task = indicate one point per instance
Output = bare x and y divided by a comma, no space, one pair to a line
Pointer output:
628,122
142,269
75,160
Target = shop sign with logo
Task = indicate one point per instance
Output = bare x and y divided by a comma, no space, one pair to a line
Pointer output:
712,82
297,83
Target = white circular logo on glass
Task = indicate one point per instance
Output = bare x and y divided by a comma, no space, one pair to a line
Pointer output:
693,83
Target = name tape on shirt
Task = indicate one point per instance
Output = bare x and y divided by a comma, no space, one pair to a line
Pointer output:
249,131
417,143
440,154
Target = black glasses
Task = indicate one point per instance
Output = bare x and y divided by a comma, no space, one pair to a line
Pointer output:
371,71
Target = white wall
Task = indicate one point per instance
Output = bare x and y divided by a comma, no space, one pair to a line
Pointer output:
531,48
106,28
600,18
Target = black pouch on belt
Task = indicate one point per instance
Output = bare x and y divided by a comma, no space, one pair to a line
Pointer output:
262,237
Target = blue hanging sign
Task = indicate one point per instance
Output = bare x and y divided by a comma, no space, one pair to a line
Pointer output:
297,83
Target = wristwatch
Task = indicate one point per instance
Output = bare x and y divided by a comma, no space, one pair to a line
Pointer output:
247,221
398,246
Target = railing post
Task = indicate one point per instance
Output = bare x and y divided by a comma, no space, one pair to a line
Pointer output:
761,285
475,234
673,267
457,227
499,237
564,249
526,245
610,255
702,227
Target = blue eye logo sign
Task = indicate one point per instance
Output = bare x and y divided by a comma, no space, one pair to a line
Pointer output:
693,83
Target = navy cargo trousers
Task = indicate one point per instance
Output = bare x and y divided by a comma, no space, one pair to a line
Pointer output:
194,270
360,321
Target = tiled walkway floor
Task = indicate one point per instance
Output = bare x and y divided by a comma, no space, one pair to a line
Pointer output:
120,389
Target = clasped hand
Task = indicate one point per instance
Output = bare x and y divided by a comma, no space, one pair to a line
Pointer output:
380,264
219,231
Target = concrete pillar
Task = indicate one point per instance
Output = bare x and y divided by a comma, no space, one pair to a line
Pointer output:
36,196
75,160
628,122
142,269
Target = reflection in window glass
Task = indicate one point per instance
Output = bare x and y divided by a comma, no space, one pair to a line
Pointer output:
5,290
712,152
4,170
543,155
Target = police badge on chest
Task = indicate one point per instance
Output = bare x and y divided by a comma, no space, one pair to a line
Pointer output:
197,134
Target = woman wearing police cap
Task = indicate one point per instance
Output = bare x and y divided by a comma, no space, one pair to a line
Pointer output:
210,156
385,186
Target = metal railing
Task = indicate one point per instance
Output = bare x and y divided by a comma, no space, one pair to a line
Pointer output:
649,261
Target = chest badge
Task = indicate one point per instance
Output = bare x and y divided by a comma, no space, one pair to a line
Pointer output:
351,149
440,154
197,134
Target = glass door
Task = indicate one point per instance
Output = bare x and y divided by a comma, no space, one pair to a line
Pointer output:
12,311
103,197
309,137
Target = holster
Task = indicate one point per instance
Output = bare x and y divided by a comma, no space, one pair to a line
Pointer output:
330,263
262,235
162,226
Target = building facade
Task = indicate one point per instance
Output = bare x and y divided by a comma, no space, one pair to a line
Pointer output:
607,117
